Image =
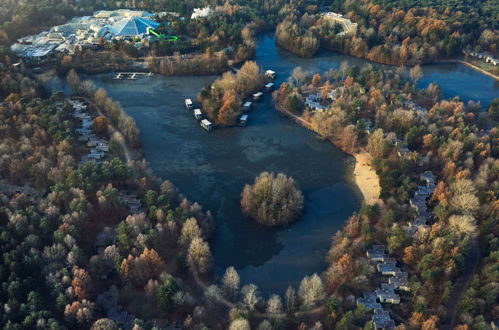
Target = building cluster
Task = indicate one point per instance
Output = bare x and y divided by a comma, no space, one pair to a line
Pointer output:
418,202
11,190
86,32
387,292
315,101
488,58
349,28
98,147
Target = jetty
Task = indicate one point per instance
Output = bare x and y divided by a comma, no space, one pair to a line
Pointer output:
131,75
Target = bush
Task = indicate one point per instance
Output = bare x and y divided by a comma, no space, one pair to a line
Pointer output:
272,200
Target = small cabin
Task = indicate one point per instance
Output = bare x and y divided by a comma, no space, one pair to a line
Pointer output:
206,124
243,120
188,104
269,87
257,96
198,114
247,106
270,74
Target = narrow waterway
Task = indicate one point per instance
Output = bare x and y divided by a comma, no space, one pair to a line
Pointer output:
212,168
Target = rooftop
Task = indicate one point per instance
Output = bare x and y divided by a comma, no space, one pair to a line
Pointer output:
132,26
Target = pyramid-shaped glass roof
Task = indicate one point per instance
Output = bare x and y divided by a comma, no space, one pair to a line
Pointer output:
132,26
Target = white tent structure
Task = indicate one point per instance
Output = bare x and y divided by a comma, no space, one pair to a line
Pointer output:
132,26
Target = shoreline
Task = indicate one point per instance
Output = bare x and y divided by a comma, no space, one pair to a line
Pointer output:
472,66
364,176
366,179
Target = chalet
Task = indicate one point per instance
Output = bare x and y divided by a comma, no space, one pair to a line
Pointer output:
257,96
368,301
386,294
188,104
387,268
206,124
376,253
198,114
403,151
247,106
382,320
400,282
243,120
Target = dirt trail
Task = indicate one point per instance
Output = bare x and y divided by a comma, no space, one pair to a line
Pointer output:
462,284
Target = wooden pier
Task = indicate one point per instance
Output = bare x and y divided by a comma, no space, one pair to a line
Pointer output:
131,75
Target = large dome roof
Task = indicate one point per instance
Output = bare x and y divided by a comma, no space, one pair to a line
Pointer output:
132,26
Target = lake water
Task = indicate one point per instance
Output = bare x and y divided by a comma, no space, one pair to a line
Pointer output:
212,168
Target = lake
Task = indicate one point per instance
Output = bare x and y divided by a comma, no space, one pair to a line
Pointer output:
212,168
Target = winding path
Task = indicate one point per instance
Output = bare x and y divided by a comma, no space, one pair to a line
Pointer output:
227,303
462,283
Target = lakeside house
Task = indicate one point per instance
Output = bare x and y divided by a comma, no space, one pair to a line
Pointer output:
243,120
312,101
206,124
247,106
257,96
270,74
269,87
198,114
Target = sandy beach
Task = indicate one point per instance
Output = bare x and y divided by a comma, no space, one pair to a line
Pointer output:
364,175
366,178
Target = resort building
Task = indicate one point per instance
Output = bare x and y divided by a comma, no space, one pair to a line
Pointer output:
86,32
349,28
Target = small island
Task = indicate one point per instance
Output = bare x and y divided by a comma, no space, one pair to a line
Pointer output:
273,200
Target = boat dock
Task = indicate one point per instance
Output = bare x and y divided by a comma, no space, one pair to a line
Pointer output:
131,75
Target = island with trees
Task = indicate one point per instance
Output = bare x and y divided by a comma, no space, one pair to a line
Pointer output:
273,200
